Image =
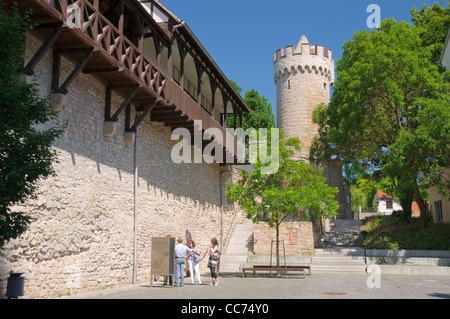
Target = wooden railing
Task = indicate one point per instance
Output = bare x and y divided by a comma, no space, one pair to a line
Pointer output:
108,38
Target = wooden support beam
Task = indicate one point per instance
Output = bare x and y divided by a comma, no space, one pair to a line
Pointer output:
121,15
183,52
240,119
142,116
56,70
213,93
225,107
174,119
165,109
199,69
180,124
235,115
108,103
169,73
29,68
123,86
102,70
142,102
128,118
157,114
127,101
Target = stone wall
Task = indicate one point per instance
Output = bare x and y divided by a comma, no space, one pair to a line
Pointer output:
82,232
297,235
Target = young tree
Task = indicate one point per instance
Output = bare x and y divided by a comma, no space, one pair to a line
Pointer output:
297,189
389,112
25,150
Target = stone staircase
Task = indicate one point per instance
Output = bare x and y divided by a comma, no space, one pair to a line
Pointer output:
238,249
344,233
343,252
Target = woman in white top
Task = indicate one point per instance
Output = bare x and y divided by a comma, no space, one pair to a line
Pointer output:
193,265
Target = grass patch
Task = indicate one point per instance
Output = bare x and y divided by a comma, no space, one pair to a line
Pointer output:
386,232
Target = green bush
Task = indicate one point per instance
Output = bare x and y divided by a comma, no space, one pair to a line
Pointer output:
387,232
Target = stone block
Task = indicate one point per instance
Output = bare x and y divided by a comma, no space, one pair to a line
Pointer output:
129,137
58,100
26,78
109,128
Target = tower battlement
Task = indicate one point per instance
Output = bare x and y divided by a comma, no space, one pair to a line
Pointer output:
304,58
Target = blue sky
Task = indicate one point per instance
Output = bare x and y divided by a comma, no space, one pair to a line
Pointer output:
242,35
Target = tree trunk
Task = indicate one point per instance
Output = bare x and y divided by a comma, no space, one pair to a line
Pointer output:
406,198
406,205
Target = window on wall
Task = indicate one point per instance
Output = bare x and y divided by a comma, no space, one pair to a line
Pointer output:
438,211
289,84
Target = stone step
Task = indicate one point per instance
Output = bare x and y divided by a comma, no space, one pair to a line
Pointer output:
345,225
238,248
342,239
339,259
340,251
333,268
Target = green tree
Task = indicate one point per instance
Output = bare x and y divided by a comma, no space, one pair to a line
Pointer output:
389,112
297,189
25,146
262,116
432,24
358,198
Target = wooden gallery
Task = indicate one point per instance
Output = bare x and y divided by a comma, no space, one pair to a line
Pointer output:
124,74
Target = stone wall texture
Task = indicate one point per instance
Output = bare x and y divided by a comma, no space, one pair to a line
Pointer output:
82,233
297,235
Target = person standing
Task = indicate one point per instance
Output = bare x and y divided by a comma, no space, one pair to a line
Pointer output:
193,264
214,254
181,253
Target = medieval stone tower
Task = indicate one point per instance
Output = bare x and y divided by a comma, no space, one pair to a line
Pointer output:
303,76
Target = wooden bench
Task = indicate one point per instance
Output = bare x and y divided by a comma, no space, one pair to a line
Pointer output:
256,268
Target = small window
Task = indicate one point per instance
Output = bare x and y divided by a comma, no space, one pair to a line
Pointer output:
289,84
389,204
438,211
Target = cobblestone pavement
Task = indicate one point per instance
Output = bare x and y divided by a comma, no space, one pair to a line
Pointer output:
316,286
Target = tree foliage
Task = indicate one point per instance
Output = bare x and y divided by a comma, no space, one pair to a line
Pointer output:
389,112
432,24
25,147
261,115
297,189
